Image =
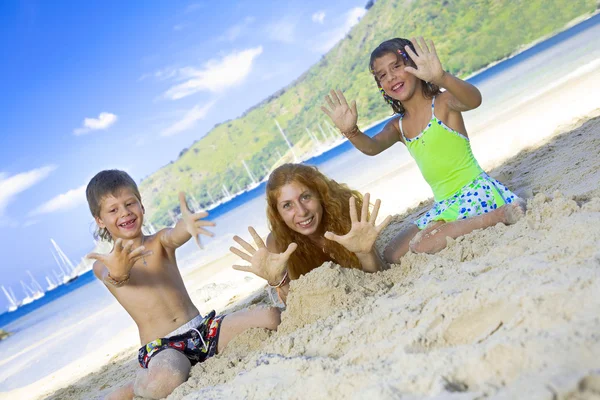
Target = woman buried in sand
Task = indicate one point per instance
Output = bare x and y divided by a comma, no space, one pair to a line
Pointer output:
313,219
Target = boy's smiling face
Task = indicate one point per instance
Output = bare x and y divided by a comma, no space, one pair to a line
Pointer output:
122,214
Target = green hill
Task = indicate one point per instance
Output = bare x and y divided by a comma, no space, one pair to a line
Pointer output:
469,35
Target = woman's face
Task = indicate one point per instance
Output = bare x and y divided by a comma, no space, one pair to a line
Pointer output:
300,208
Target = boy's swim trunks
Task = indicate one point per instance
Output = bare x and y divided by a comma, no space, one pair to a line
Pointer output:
197,340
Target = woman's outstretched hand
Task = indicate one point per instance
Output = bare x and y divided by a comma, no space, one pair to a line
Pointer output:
363,232
429,68
263,263
344,116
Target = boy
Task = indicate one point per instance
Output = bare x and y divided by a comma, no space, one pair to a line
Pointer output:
141,273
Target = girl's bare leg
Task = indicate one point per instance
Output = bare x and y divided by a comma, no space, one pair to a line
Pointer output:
237,322
433,238
399,245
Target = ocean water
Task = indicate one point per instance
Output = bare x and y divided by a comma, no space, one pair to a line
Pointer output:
38,327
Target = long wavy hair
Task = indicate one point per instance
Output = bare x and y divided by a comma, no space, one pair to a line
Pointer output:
396,47
334,198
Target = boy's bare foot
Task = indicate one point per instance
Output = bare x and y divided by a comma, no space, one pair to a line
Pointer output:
514,211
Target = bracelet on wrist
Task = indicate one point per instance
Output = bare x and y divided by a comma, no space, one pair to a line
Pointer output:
351,133
116,283
284,280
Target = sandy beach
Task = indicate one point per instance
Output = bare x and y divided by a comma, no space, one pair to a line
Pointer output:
507,312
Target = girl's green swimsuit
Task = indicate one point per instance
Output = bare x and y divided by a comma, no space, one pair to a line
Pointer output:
461,189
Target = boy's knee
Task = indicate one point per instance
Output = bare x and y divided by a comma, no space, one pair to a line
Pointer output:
389,255
167,371
272,318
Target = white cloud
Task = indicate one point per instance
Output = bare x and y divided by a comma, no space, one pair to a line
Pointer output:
179,27
62,202
319,17
330,38
282,31
189,120
10,187
193,7
216,75
104,121
236,31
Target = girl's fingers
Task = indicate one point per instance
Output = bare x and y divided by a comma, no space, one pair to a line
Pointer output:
342,98
417,47
332,236
200,215
291,248
183,204
375,211
330,102
240,254
411,70
423,44
257,239
335,98
432,47
243,268
326,111
384,224
247,246
411,54
353,215
365,208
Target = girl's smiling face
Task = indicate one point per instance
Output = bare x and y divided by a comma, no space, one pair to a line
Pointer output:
395,81
300,208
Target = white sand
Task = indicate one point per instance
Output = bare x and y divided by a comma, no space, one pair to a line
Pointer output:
507,312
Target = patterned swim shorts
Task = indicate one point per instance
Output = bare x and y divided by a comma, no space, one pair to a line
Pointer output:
197,344
482,195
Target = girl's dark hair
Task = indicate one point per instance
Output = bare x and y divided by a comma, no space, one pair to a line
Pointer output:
396,46
108,182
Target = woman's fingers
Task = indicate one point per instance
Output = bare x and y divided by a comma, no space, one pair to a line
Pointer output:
291,248
244,268
375,211
332,236
257,239
365,208
247,246
240,254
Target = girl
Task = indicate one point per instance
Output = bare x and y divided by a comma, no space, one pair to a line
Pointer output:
429,122
306,212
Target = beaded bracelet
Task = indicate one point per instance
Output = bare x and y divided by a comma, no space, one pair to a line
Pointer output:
112,281
352,132
283,281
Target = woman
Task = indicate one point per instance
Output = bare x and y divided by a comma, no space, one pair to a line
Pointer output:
313,219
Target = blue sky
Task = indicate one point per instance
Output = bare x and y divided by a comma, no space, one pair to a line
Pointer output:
91,85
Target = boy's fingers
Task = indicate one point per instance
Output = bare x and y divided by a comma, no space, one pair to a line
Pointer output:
95,256
384,224
202,231
183,203
203,222
257,239
243,268
137,252
200,215
247,246
375,211
118,245
240,254
127,246
197,237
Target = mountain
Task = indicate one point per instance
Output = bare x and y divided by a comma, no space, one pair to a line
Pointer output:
469,35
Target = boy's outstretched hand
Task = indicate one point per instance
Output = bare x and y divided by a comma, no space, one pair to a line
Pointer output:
429,68
263,263
344,116
363,232
121,258
193,221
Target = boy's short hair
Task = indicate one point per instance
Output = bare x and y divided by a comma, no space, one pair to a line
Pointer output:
108,182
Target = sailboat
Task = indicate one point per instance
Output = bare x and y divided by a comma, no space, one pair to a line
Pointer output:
13,303
66,267
51,284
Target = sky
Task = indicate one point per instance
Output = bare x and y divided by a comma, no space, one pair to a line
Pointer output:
93,85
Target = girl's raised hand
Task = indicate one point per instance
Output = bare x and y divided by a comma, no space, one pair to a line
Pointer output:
269,266
429,68
193,221
344,116
363,232
121,258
